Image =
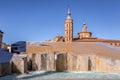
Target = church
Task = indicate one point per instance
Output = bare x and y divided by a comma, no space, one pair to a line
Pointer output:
83,36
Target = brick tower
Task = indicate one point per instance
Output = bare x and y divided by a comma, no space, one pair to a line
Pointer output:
68,28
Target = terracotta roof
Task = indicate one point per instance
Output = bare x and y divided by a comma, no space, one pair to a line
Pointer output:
94,40
96,48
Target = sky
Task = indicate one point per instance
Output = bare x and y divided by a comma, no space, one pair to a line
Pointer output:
41,20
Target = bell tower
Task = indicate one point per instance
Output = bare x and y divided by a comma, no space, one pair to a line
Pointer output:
84,34
68,27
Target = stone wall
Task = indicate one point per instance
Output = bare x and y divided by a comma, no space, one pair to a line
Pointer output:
62,62
5,68
36,62
50,62
77,62
29,62
18,66
93,63
104,64
74,62
115,66
71,61
43,62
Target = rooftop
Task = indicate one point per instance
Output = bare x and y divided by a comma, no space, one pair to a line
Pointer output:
95,48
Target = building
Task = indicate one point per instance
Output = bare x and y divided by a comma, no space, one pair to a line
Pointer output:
83,53
69,28
83,36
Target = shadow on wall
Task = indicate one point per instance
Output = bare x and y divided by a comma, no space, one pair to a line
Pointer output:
15,69
19,64
5,69
89,64
29,63
61,62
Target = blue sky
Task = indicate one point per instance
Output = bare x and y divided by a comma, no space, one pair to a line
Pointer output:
40,20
